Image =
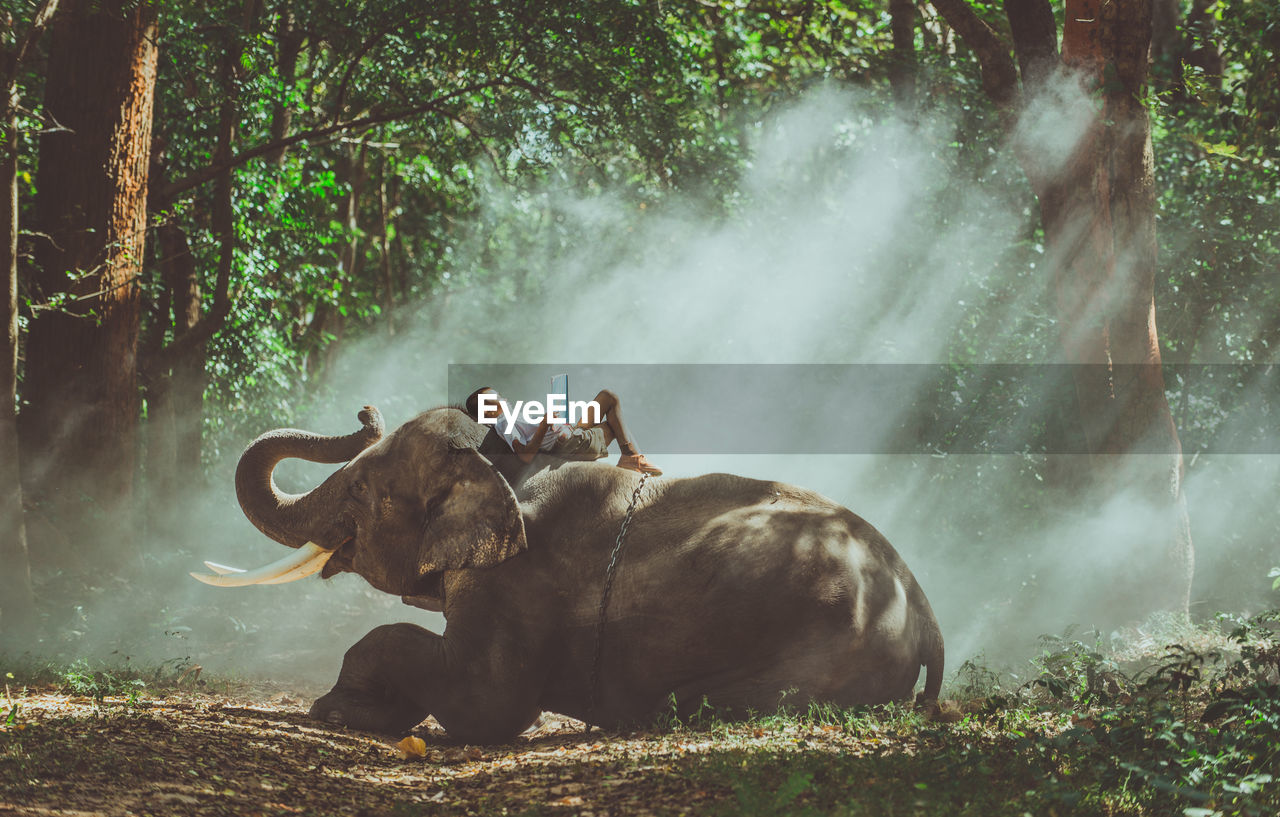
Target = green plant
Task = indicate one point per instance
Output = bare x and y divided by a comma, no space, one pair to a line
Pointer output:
81,679
1070,670
757,796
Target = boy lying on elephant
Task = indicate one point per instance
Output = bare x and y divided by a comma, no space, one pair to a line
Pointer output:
585,440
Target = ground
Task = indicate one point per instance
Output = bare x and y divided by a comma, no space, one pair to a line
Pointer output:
254,751
1195,733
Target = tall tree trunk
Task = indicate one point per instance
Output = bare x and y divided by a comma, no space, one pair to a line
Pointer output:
1099,220
190,376
17,604
176,374
384,254
169,383
1166,47
323,335
902,68
290,39
398,249
356,173
80,427
1098,213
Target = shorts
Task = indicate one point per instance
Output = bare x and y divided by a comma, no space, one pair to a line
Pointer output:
582,444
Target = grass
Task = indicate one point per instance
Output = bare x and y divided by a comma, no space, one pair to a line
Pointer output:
1084,728
1191,730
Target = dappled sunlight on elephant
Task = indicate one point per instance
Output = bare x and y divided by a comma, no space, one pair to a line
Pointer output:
734,593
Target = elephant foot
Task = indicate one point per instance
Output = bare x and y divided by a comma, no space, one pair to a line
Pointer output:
341,708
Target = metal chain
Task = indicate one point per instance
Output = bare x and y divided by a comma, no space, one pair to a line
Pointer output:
609,574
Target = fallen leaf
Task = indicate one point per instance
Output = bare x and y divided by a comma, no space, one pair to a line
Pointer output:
412,747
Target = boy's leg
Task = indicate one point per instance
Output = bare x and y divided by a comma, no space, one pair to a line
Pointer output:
611,421
615,429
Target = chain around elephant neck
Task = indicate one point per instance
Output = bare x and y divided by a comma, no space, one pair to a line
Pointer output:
609,574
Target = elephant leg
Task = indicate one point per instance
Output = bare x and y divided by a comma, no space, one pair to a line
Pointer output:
373,691
398,674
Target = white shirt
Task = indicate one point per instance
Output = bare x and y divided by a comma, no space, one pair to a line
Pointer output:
525,431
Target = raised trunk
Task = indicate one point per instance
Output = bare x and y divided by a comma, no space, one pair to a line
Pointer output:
79,429
294,519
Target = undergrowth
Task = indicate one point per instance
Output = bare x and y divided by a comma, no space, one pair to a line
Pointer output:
1089,726
1084,728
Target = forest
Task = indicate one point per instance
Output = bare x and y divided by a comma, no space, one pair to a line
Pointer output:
1001,277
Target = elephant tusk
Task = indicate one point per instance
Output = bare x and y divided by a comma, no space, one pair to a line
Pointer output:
293,575
301,563
222,570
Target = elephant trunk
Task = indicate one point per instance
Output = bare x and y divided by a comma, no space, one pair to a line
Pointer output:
295,519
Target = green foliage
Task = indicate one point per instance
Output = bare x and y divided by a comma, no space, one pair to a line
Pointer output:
81,679
1079,673
1196,732
768,797
467,100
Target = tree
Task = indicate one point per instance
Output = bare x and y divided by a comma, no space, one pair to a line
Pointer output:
902,72
79,426
174,374
511,91
1097,207
16,603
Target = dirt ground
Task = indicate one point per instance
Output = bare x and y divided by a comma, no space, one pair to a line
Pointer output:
256,753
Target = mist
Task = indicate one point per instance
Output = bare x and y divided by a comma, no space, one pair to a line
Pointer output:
849,240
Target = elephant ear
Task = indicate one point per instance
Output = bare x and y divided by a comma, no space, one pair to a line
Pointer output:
476,522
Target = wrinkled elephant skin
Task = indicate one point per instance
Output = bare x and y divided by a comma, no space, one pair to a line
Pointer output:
733,593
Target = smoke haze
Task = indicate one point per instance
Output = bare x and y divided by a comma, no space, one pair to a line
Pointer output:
849,240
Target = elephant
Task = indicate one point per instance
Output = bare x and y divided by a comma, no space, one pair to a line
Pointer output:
742,595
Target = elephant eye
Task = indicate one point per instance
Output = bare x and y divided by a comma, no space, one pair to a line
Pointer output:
359,489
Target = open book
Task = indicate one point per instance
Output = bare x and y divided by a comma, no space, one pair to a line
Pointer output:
560,385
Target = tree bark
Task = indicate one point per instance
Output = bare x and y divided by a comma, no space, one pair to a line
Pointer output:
1035,40
1166,46
174,383
999,76
323,336
902,68
290,39
1098,213
357,172
176,374
384,254
1099,218
17,603
79,429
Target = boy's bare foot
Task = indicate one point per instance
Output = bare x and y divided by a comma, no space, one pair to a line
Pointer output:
637,462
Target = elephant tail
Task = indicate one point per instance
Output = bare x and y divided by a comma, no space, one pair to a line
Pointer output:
933,659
